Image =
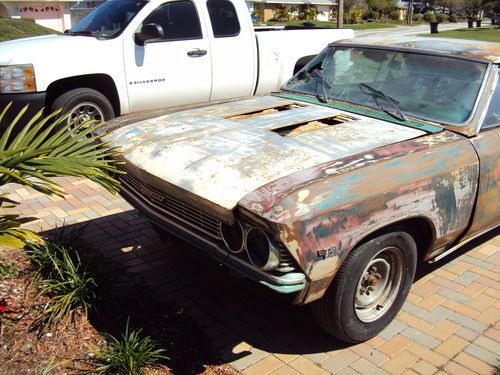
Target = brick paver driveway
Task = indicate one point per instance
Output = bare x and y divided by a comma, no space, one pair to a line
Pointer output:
450,323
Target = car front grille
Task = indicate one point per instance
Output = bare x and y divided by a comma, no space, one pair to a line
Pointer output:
173,207
190,216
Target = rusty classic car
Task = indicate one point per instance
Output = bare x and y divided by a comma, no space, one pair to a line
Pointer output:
377,155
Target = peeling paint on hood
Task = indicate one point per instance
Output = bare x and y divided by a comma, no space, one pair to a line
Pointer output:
223,152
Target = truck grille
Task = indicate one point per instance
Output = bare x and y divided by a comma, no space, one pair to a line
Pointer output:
173,207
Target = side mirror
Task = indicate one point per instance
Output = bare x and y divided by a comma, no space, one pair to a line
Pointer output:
149,31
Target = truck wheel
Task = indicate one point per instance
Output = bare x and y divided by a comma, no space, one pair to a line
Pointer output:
84,104
369,288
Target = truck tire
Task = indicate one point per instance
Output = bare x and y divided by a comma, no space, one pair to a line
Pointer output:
352,312
84,104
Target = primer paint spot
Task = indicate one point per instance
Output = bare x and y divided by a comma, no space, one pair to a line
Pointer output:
302,210
303,194
331,171
278,210
257,207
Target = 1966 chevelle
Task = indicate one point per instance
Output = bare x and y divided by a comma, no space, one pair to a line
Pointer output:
378,154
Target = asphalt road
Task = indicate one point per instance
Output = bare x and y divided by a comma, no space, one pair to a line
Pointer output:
408,30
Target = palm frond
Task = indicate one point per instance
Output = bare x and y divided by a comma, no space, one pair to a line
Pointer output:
48,147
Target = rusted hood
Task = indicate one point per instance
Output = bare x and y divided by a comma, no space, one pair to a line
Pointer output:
223,152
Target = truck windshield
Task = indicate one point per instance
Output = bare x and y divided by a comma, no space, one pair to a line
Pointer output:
109,19
436,88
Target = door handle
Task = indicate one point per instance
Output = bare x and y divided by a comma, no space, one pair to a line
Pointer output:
197,52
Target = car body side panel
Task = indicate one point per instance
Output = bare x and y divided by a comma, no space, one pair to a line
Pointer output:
487,212
324,212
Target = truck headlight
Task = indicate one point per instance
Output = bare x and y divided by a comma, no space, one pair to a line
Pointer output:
17,79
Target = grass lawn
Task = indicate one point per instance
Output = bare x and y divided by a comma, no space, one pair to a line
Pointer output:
332,24
11,28
371,25
483,33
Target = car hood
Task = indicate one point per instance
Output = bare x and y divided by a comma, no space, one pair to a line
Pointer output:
34,49
224,152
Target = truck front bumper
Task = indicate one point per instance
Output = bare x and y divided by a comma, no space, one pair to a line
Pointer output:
34,100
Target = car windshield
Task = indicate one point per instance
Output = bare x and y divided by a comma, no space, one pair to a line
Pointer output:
436,88
109,19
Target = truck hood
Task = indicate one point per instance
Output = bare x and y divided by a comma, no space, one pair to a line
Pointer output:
224,152
24,51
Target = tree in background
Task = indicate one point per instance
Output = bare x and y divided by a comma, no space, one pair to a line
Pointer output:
381,7
472,8
349,5
308,13
282,13
491,7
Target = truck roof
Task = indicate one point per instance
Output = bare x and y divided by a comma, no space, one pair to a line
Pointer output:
489,51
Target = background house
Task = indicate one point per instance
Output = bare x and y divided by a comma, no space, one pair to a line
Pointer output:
265,8
56,14
61,14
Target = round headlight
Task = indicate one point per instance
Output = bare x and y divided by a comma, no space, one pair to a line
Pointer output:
260,250
232,235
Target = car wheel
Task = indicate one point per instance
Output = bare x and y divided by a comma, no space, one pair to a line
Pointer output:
84,104
369,289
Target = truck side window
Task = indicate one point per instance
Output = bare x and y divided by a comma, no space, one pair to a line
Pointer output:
179,20
492,118
223,18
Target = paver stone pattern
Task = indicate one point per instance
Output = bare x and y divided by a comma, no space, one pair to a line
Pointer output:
450,322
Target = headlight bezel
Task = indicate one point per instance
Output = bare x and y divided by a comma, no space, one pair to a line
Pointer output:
17,79
267,260
246,248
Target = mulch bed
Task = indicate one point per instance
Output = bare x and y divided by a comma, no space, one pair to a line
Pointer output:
26,347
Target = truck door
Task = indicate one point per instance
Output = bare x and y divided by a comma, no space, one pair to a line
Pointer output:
486,143
233,46
174,70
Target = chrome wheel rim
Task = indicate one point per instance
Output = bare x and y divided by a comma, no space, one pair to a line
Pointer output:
379,284
85,111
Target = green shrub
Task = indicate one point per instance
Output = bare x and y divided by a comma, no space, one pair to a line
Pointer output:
356,14
282,13
130,354
441,17
418,17
452,18
371,15
309,13
394,15
429,17
65,279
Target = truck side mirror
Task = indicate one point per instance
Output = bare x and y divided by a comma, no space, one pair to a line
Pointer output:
149,31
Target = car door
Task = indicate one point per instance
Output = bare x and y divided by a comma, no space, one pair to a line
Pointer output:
233,47
175,69
486,143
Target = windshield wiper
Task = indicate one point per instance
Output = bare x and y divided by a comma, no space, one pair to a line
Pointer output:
377,94
318,73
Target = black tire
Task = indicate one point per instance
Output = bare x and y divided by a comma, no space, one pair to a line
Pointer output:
84,104
350,314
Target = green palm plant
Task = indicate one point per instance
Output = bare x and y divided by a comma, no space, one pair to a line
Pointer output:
65,279
48,147
130,354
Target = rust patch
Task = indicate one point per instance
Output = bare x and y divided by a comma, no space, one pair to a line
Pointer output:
263,112
326,210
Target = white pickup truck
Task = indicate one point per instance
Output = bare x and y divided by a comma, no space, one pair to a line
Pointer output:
132,55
